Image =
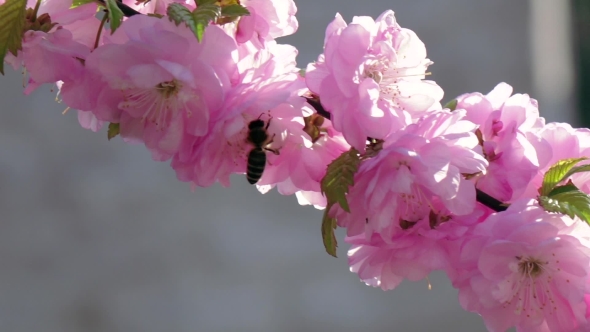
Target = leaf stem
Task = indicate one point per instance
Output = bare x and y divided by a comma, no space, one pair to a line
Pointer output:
481,196
104,19
36,10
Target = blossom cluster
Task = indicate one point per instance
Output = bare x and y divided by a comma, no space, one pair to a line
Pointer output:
235,102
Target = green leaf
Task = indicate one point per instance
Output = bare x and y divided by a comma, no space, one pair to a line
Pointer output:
235,10
557,173
198,20
572,203
78,3
339,177
12,24
577,169
452,105
302,73
562,189
203,15
115,15
335,184
205,2
113,131
178,13
328,237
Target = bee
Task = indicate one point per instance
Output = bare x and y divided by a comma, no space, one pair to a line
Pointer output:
258,136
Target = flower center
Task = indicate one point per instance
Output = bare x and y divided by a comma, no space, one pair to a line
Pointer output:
530,267
529,288
386,75
158,105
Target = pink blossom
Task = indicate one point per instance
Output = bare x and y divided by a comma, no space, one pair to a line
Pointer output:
370,77
224,150
302,162
267,86
526,268
268,19
57,54
419,164
163,81
256,65
415,250
95,101
555,142
506,126
52,57
411,201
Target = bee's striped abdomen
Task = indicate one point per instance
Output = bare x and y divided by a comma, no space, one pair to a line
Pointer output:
256,164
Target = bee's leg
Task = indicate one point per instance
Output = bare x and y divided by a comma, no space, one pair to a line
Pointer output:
272,138
275,151
268,123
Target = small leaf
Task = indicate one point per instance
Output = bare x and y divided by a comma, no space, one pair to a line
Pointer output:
302,73
452,105
180,14
205,2
78,3
571,202
577,169
235,10
557,173
339,177
328,237
562,189
203,15
115,15
12,24
113,131
335,184
197,20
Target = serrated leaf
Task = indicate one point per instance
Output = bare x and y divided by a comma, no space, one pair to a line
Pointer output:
572,203
339,177
235,10
12,24
113,131
328,236
78,3
557,173
115,15
203,15
562,189
178,13
205,2
577,169
452,105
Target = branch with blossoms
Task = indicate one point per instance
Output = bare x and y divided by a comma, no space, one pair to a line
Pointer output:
481,188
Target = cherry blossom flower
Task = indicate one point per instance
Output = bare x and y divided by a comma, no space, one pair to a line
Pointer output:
507,124
527,268
167,83
370,77
418,164
268,20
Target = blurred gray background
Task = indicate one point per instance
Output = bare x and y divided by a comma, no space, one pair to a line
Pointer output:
94,236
